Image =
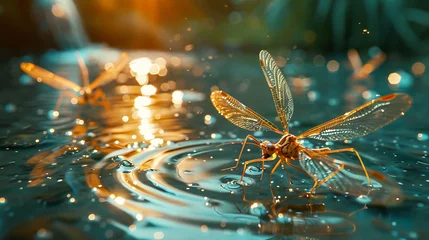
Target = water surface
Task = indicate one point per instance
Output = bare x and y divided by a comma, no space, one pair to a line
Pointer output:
149,167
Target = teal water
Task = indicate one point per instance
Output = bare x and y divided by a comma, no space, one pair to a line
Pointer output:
151,168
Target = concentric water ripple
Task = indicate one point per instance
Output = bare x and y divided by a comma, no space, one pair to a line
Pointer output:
140,169
182,186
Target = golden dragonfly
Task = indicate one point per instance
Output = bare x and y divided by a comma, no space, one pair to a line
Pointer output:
87,93
362,72
316,163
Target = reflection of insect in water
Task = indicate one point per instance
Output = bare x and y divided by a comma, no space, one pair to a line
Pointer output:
88,93
314,162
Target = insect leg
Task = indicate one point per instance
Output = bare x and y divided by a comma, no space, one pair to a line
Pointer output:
263,164
242,149
100,98
253,161
321,150
271,175
72,95
59,101
305,172
328,177
61,98
284,163
318,182
245,165
357,155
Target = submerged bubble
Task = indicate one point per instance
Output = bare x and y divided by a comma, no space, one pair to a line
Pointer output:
364,199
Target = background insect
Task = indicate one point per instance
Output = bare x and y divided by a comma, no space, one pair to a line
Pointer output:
87,93
362,72
316,163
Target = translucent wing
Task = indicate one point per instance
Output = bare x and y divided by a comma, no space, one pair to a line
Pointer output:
111,73
240,115
350,179
49,78
362,120
279,89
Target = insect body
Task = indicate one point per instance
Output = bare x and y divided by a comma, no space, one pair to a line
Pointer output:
89,93
316,163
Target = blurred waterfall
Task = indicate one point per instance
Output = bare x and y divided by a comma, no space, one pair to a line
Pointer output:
61,19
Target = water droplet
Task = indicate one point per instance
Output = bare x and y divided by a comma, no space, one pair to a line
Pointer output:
253,170
216,136
333,101
71,151
193,184
90,134
25,80
281,218
10,107
258,209
211,203
313,95
117,158
126,163
422,137
96,155
258,133
53,114
373,185
364,199
143,145
233,182
413,235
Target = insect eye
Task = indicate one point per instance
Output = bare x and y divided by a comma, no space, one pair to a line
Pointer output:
271,148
